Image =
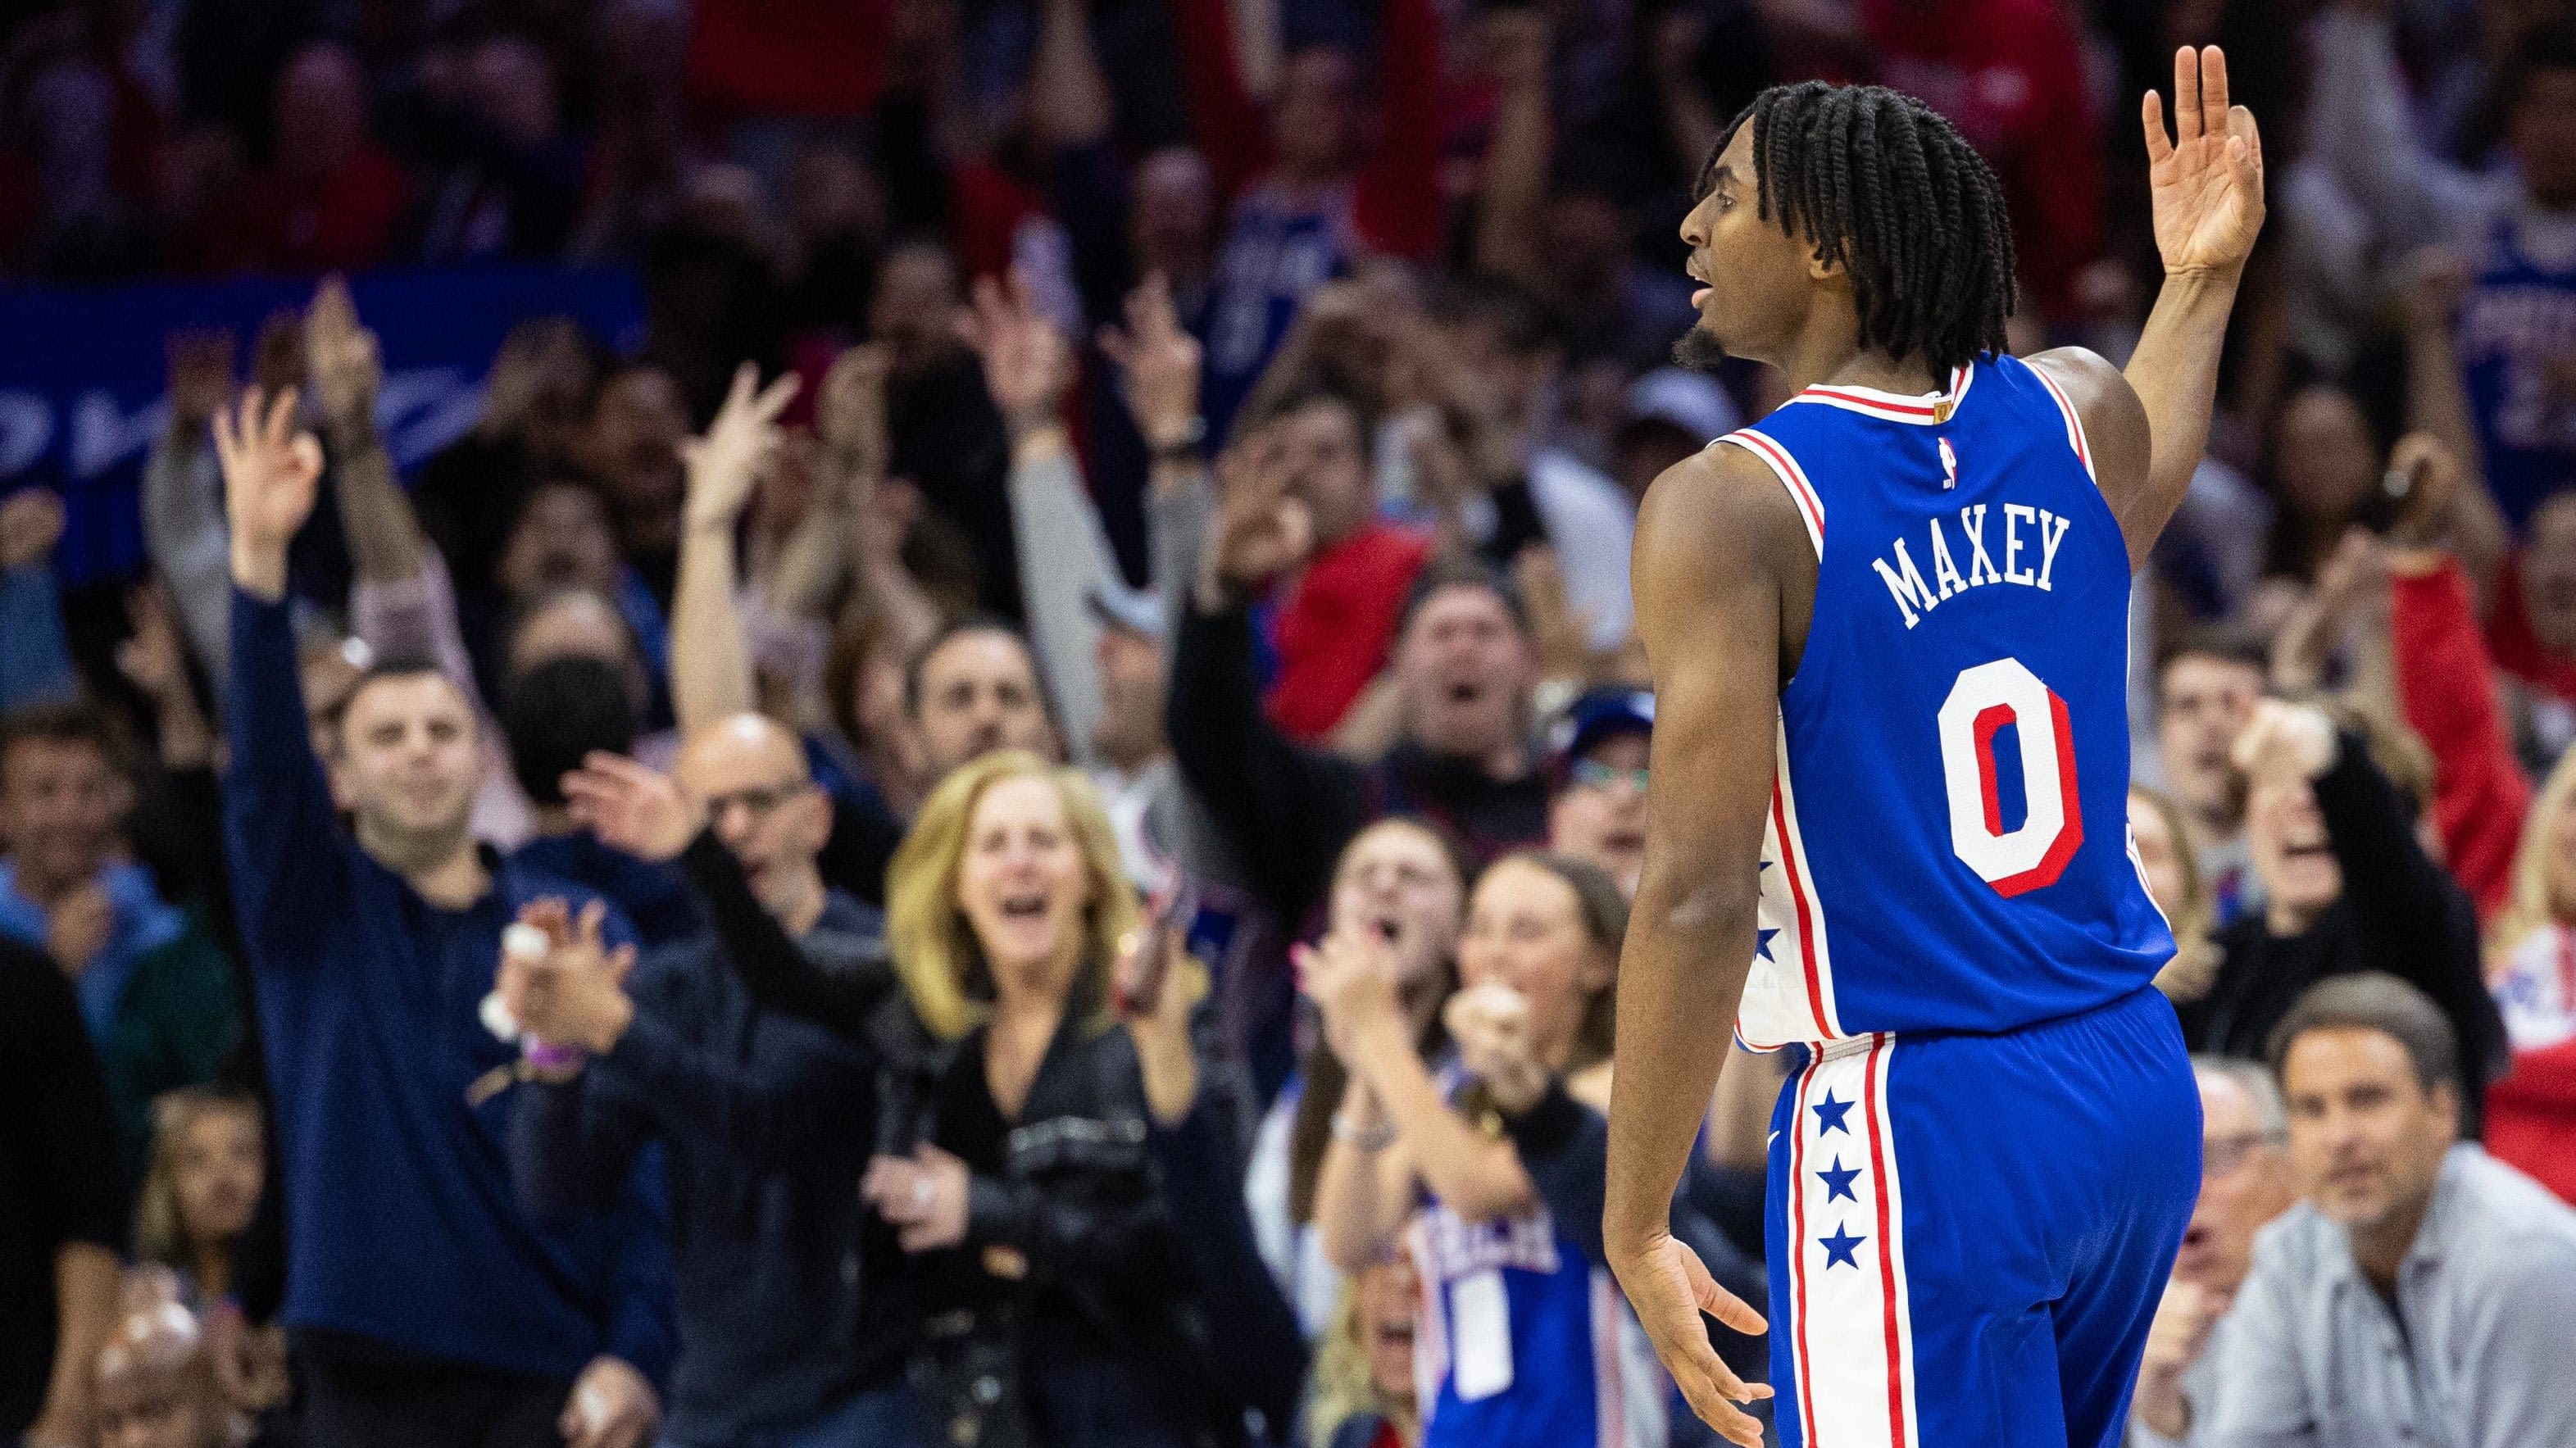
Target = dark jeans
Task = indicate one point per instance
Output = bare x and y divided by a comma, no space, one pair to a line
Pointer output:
382,1400
878,1418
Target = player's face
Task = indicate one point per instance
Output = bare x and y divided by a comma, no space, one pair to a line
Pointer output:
2205,704
1396,882
1600,813
1525,930
408,766
1757,282
2366,1136
2244,1183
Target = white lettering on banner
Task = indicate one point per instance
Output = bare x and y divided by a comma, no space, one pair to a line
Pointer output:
104,434
420,410
26,430
1914,599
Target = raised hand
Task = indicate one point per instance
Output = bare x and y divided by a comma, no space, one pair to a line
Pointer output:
1491,1026
850,413
576,995
2206,180
200,364
31,523
1028,366
725,462
1350,976
270,472
1156,1006
1262,528
152,660
1160,361
2285,743
341,357
632,808
1668,1287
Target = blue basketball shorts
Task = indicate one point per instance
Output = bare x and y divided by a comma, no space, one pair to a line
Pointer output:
1969,1233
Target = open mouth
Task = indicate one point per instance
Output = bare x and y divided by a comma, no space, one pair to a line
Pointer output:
1388,928
1024,907
2306,848
1394,1335
1464,691
1624,842
1699,297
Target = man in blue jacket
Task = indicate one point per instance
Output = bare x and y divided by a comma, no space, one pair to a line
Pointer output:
789,1338
422,1307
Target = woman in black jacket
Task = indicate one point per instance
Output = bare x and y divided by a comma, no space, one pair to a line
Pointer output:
1035,1144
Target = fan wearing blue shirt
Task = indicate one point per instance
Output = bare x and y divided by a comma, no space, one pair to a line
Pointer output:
422,1307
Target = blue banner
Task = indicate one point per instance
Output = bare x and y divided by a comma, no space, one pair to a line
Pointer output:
83,393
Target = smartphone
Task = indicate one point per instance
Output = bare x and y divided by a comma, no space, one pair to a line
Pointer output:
1172,918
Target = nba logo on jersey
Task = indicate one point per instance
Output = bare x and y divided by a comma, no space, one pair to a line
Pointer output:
1932,857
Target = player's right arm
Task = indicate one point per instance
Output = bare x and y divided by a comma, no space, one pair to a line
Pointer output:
1724,578
2206,185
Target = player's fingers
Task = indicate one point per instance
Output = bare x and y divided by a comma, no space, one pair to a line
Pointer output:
1723,1305
1710,1403
2242,126
2213,90
2186,95
2151,112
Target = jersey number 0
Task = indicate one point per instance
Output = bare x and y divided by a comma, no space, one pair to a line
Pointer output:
2034,852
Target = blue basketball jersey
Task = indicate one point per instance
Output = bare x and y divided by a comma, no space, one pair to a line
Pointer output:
1947,847
1522,1339
2518,318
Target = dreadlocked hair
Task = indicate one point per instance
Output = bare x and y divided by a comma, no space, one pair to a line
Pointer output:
1889,190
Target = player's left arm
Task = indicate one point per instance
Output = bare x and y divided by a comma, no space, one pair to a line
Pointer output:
2148,425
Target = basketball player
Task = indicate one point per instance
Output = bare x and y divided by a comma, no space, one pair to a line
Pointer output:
1886,811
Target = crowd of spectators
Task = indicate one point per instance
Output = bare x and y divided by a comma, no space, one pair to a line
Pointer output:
1015,827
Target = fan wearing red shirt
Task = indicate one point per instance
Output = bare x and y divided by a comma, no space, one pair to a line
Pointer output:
1336,620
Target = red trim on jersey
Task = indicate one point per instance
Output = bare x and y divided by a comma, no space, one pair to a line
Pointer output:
2074,420
1798,898
1789,471
1882,1159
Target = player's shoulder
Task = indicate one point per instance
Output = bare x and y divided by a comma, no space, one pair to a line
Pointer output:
1724,494
2113,417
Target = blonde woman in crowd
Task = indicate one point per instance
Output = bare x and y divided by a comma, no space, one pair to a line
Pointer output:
2531,970
1364,1394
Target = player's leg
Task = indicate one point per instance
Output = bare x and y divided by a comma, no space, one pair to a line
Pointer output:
1782,1338
2145,1167
1950,1175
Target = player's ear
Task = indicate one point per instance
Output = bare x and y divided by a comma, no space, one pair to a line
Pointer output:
1821,269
